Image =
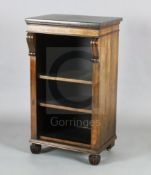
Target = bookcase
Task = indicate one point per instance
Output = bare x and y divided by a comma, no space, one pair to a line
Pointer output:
73,69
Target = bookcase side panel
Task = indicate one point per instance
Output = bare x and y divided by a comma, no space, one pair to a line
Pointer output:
108,87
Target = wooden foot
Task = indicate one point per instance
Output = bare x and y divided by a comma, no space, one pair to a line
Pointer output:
35,148
94,159
110,147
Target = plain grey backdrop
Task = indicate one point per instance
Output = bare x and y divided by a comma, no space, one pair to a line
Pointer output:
132,152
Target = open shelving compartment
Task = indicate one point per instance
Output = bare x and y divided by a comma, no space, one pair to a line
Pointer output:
64,89
64,126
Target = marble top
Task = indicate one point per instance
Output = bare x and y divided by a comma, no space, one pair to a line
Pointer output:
73,20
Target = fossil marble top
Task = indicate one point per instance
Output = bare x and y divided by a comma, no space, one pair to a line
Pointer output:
73,20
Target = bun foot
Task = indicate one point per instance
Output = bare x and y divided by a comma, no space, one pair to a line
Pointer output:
35,148
110,147
94,159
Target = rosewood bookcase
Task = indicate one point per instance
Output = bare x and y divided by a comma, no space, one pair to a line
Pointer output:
73,69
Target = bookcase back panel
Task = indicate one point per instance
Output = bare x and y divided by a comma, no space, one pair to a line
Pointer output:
65,94
64,56
67,125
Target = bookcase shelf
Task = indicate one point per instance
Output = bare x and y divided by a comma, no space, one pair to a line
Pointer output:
47,105
45,77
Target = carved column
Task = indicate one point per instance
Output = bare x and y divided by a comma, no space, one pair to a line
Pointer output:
31,41
94,48
95,92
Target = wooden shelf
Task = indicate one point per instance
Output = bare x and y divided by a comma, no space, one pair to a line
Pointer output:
45,77
50,139
65,108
